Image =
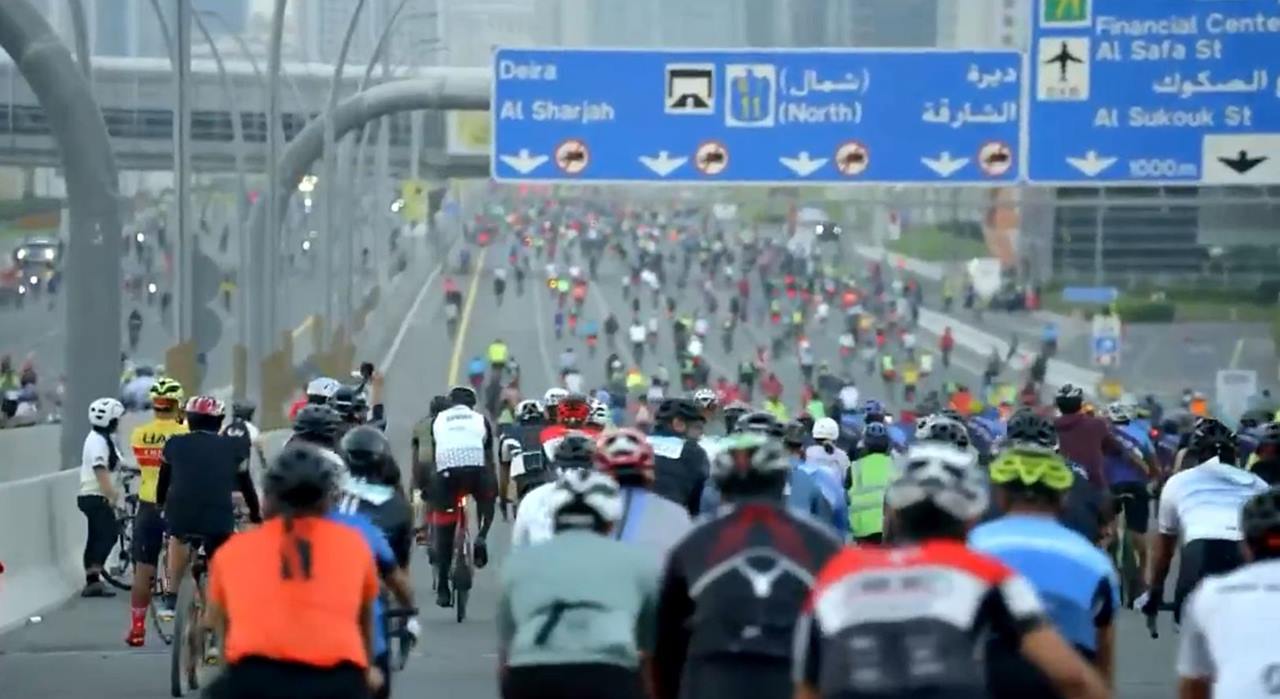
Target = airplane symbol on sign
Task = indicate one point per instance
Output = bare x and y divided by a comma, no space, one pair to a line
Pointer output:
1063,59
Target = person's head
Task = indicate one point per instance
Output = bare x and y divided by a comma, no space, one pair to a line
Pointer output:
243,410
762,423
1031,479
1260,523
574,410
321,390
751,465
681,416
438,405
794,436
301,481
946,430
105,414
368,456
167,396
551,400
585,500
317,424
1026,428
1070,399
205,413
1269,442
732,414
575,450
706,401
345,402
939,494
1210,439
873,410
1119,413
530,412
876,439
627,456
825,432
600,415
462,395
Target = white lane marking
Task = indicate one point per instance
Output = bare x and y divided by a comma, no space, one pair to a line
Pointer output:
394,349
1237,353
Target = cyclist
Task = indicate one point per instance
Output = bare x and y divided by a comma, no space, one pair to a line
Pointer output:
1085,439
463,454
147,442
572,413
869,477
1199,507
551,402
575,614
794,437
731,414
421,447
241,426
520,456
199,472
802,493
317,425
1129,485
497,354
823,452
1224,649
346,401
598,418
680,465
1075,579
1084,510
648,519
734,586
938,596
709,404
1266,457
533,523
100,457
263,592
320,390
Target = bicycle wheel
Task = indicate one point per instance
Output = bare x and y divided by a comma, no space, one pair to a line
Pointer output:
182,654
1129,574
118,569
159,588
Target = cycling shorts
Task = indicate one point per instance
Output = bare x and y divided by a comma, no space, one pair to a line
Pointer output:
1134,501
262,677
148,534
209,542
448,486
1200,559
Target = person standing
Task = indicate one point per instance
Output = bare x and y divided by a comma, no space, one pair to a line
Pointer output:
100,458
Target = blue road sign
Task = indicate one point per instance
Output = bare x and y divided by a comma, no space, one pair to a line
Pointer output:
758,116
1168,92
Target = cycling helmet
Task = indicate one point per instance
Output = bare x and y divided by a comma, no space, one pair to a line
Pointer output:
104,412
344,401
530,411
573,410
167,391
575,450
760,422
706,399
1032,469
873,408
1070,392
795,434
243,410
682,408
826,430
1121,413
625,452
366,451
1026,427
553,396
1269,435
1260,519
206,406
943,475
439,404
322,387
301,477
599,416
583,499
944,429
1070,399
463,395
875,437
1211,439
317,423
951,413
749,458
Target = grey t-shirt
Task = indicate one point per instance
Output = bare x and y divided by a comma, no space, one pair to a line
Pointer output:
578,598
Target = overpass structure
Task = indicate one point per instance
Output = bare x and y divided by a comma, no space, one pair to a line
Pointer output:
136,98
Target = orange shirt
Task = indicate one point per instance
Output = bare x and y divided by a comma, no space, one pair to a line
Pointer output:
310,617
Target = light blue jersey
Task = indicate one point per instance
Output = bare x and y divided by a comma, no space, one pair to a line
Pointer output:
383,557
832,489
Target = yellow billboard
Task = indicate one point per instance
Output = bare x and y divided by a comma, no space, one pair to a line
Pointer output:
467,133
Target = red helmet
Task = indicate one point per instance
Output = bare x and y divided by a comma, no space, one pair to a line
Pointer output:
573,410
206,405
624,451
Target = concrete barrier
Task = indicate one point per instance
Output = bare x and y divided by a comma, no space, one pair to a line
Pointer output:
33,451
42,535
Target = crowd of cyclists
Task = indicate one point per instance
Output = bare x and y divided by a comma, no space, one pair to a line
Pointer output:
692,538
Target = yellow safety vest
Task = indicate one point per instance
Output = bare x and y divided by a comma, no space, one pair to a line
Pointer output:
498,353
871,476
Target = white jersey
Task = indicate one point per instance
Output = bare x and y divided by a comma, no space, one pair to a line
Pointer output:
534,524
94,455
636,333
459,435
1204,502
1227,627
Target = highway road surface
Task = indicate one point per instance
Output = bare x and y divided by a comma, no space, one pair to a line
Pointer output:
78,651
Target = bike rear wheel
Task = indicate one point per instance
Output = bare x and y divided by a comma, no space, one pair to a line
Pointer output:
182,653
118,569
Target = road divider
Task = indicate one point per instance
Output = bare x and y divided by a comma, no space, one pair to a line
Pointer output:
42,535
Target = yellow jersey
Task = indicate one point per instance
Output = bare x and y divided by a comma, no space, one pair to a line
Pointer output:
148,446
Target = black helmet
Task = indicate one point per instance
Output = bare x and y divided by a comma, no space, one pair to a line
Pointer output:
795,434
760,422
1260,519
302,477
1070,398
243,410
317,423
1211,439
344,401
367,452
575,450
439,404
951,413
1270,434
463,395
682,408
1026,427
944,429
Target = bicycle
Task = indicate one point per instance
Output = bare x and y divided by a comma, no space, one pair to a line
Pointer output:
1125,555
463,572
118,569
162,623
194,647
400,642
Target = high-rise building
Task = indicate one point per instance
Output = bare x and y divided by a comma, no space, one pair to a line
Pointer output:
986,24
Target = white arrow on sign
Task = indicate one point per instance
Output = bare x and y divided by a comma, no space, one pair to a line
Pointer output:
664,164
944,164
802,164
1091,164
523,162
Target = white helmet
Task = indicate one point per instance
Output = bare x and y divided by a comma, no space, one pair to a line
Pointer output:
553,396
705,398
826,430
599,413
584,498
1120,412
105,410
944,475
323,387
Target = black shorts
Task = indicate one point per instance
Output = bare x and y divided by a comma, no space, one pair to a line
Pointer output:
148,534
209,542
448,486
259,678
572,681
1135,502
1200,559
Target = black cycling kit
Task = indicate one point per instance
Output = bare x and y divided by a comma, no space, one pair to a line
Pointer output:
680,468
199,472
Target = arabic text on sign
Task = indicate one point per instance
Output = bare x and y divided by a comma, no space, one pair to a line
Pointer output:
941,112
1204,83
995,78
811,82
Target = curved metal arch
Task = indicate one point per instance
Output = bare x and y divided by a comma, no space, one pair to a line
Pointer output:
93,287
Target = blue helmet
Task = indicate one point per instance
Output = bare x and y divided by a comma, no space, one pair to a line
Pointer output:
873,407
